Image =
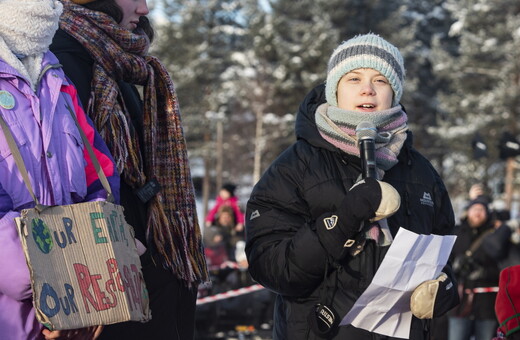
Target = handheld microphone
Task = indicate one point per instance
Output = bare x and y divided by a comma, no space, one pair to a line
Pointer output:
366,134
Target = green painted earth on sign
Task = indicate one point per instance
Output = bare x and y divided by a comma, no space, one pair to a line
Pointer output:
42,235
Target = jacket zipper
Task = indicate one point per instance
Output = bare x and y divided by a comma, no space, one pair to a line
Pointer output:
407,207
45,69
44,161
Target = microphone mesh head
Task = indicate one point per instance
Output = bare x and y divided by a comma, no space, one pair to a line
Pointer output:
366,130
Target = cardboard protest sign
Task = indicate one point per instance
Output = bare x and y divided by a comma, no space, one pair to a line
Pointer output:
84,265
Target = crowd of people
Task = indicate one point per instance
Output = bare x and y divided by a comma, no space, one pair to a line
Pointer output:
316,226
224,243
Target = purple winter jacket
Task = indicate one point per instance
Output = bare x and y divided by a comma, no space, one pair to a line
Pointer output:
59,169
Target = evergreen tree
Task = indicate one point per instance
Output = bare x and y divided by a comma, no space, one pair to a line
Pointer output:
196,40
248,62
353,17
419,27
298,46
483,76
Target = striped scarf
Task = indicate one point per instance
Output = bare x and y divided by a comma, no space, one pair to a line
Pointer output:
338,127
173,231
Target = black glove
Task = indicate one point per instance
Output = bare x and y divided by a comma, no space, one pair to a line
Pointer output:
434,298
369,199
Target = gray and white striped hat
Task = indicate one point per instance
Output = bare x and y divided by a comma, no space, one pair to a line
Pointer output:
365,51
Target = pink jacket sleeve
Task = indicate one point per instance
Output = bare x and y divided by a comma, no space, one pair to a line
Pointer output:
211,214
95,190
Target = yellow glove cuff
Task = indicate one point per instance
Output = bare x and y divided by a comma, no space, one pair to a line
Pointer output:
390,202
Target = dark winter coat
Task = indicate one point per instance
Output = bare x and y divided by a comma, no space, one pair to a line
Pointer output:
167,293
481,269
310,179
500,246
77,64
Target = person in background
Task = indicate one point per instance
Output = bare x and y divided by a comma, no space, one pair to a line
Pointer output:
507,304
304,234
439,327
476,268
226,197
218,238
37,102
103,47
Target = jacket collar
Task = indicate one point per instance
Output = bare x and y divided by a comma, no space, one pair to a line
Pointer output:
7,72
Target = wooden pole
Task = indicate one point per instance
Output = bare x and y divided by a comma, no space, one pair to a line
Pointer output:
220,152
259,145
205,181
509,182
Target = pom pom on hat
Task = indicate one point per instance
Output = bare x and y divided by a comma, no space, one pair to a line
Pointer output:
82,2
507,304
365,51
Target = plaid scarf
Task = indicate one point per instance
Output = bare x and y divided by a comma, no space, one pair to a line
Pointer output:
338,127
173,231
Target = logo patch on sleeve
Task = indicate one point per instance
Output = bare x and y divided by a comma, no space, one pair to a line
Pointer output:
330,222
427,199
254,215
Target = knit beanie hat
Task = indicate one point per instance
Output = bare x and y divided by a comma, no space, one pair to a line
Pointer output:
229,187
507,304
482,199
365,51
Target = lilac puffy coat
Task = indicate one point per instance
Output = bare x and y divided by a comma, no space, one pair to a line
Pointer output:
59,170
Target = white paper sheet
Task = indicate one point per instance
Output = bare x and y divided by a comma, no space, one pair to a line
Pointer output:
384,307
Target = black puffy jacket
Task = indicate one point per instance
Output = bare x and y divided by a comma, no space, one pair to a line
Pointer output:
310,179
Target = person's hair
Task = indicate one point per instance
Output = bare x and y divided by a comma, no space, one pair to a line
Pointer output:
111,8
226,209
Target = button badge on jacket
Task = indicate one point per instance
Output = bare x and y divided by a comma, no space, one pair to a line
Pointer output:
6,100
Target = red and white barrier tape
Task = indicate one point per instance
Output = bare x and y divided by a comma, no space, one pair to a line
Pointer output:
225,265
229,294
485,290
481,290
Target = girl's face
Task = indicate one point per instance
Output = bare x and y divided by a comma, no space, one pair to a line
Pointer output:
132,11
224,194
364,90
